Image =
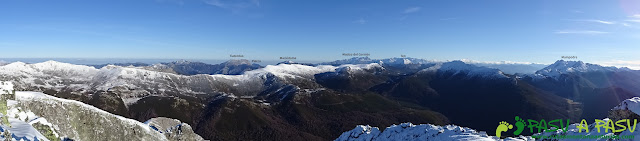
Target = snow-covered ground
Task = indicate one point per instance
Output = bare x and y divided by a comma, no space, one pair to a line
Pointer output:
19,122
20,129
632,104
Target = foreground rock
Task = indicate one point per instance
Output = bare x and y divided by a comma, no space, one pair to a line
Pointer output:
37,116
173,129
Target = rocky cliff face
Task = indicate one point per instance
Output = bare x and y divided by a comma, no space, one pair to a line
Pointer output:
173,129
82,122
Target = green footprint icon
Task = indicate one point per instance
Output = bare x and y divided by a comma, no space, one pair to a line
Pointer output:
519,126
502,127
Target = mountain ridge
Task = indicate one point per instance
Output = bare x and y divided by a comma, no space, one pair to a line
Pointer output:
280,99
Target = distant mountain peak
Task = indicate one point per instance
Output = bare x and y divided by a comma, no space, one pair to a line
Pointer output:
569,63
287,62
234,67
470,69
360,58
403,61
2,62
51,62
238,62
354,60
182,61
48,65
564,67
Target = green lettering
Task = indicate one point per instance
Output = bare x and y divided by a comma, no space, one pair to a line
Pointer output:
564,129
622,127
542,126
635,121
609,126
583,125
598,125
532,123
553,125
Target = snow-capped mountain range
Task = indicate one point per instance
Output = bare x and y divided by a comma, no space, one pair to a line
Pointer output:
457,67
506,66
140,82
564,67
388,61
582,73
326,91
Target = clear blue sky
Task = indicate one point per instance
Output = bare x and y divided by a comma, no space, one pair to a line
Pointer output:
599,31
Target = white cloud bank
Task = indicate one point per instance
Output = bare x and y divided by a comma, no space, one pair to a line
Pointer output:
621,63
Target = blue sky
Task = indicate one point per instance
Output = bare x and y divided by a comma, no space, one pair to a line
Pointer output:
598,31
